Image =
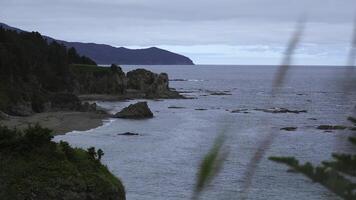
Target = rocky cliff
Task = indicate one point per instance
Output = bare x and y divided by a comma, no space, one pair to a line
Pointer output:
138,83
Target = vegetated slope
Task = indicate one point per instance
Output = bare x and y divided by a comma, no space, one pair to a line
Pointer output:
31,70
34,167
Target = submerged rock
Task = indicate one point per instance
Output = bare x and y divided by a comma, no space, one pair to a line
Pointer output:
281,110
220,93
331,127
176,107
138,110
240,111
289,128
129,134
201,109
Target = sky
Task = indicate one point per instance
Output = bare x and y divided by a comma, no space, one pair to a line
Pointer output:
208,31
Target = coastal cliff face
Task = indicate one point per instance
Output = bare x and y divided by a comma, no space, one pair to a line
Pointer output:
150,84
98,80
138,83
38,76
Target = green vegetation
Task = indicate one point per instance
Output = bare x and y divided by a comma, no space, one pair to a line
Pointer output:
34,167
336,175
210,165
82,68
31,69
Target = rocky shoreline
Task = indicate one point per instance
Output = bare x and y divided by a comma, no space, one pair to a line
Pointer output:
65,112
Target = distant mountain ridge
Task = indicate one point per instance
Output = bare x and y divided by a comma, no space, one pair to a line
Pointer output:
106,54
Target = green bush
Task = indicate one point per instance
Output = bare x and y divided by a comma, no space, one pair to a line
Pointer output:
34,167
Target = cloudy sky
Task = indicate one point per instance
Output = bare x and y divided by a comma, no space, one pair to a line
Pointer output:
207,31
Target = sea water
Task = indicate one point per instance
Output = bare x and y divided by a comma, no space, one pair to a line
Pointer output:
161,163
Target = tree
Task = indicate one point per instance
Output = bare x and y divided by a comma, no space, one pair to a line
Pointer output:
114,67
92,153
100,153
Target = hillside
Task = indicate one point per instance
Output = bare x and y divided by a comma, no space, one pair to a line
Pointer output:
106,54
34,167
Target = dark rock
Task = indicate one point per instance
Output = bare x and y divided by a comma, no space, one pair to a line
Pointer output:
201,109
220,93
352,119
129,134
239,111
88,107
151,84
281,110
176,107
331,127
352,128
314,119
289,128
138,110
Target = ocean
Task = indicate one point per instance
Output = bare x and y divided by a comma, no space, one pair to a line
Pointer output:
161,163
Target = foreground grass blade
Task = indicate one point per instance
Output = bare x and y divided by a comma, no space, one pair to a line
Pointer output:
210,165
352,54
288,55
278,81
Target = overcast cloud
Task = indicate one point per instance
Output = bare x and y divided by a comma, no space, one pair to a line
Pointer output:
210,32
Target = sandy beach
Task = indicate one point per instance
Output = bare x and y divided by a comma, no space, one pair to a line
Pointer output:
60,122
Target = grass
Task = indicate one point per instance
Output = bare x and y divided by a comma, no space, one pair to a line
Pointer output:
89,68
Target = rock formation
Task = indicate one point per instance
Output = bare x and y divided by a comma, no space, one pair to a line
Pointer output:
138,110
150,84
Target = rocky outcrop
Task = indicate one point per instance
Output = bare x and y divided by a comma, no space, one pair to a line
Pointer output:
99,80
138,110
93,80
150,84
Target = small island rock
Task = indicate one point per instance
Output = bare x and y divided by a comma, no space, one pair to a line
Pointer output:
138,110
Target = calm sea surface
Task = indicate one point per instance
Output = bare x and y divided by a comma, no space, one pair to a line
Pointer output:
162,162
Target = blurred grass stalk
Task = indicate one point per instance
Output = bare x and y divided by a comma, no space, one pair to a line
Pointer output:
277,83
211,164
288,56
214,159
352,54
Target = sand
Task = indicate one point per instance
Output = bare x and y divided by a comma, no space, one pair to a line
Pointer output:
60,122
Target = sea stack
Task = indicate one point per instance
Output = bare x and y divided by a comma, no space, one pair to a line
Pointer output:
138,110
